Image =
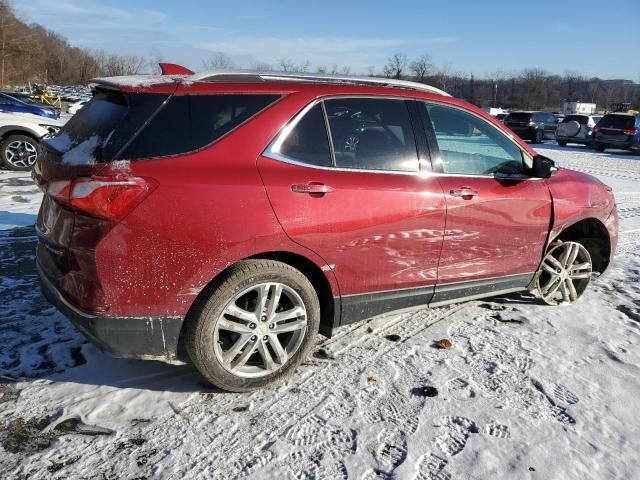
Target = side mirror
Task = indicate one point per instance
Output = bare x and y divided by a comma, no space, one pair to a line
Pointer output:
543,167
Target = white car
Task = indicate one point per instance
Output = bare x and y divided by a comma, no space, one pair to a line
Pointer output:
74,107
20,135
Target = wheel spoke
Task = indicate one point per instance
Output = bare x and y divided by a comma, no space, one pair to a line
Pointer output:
549,285
233,326
288,314
244,356
565,291
237,312
580,266
273,301
281,353
566,253
265,354
553,261
263,296
572,290
298,324
237,347
550,293
574,250
549,269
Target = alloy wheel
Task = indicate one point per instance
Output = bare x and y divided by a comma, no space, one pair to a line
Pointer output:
564,274
21,154
260,329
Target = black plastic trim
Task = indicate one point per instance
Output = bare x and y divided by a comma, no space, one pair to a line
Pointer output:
360,306
128,337
453,292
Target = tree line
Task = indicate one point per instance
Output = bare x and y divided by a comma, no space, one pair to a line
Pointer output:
32,53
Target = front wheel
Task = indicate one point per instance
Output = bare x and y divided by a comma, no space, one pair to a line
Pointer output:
562,143
255,327
18,152
565,273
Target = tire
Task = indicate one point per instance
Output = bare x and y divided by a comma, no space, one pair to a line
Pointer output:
538,136
598,148
18,152
562,143
213,348
564,274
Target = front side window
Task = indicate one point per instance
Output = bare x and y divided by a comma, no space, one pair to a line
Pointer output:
470,145
372,134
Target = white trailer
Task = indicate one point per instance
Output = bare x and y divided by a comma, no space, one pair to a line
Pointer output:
570,108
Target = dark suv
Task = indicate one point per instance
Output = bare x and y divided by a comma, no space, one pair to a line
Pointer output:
534,126
617,130
227,218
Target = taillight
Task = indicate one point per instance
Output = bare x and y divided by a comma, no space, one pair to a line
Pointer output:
111,198
629,131
596,129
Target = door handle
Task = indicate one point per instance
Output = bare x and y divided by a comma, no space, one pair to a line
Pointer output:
311,188
464,192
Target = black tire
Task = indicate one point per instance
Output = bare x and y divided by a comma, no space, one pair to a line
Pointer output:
598,148
562,143
24,163
201,321
538,136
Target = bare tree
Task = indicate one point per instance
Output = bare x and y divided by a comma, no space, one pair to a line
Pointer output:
287,65
218,61
422,67
263,67
396,66
305,67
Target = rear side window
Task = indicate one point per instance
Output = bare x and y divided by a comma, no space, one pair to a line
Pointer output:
617,121
308,141
190,122
581,119
372,134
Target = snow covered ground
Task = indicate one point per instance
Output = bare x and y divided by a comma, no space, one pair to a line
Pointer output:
526,391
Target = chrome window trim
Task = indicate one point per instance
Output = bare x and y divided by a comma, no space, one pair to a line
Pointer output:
273,149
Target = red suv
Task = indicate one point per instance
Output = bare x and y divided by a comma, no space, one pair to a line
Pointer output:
227,218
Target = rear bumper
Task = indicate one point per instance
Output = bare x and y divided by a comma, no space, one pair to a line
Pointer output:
153,338
622,144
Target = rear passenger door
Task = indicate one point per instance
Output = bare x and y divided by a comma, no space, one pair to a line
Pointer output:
345,180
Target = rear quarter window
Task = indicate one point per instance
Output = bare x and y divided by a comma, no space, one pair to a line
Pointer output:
190,122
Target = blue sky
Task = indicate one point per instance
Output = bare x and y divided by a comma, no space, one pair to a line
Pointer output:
471,36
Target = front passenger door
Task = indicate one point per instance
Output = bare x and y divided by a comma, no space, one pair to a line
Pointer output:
497,218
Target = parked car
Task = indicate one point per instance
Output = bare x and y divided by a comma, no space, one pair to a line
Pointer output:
226,218
617,130
74,107
9,103
501,116
534,126
576,129
20,136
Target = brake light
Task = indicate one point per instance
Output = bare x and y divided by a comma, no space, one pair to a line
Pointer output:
596,129
110,198
630,131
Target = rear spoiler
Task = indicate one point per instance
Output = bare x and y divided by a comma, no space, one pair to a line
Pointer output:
167,82
174,69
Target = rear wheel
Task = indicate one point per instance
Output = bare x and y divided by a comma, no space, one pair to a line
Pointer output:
538,136
255,327
565,273
598,148
562,143
18,152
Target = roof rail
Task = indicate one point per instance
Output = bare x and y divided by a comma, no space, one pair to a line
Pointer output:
263,76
